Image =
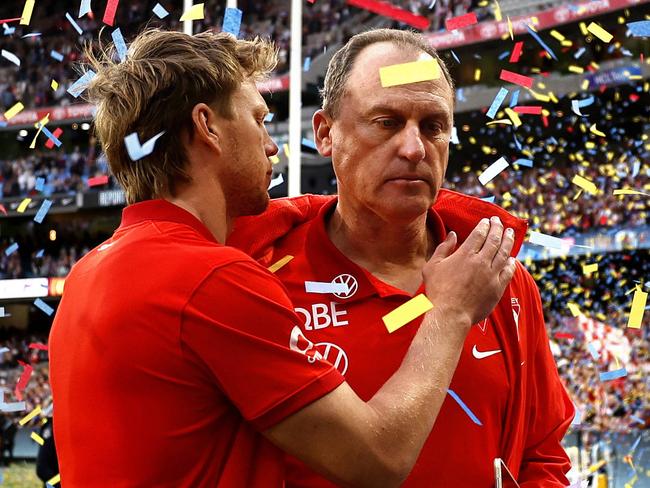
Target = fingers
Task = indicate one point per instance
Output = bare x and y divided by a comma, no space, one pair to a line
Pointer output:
493,240
476,239
507,243
508,272
444,249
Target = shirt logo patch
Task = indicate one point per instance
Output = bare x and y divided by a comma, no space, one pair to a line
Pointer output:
516,309
348,280
334,355
299,343
483,325
484,354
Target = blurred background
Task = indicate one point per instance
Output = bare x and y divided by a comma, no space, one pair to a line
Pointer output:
577,143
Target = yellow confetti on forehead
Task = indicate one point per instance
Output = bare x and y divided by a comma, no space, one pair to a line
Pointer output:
413,72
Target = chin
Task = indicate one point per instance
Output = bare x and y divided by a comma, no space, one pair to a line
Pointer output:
255,205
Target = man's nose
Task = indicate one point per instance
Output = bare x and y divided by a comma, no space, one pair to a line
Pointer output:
270,147
410,145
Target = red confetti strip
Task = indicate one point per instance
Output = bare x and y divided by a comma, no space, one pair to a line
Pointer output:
10,20
516,78
37,345
564,335
516,52
97,180
57,132
3,209
23,380
388,10
461,21
109,13
529,110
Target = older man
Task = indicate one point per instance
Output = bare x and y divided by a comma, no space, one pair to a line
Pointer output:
390,148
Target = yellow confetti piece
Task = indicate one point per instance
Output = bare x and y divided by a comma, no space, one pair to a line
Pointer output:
23,205
557,35
477,74
497,11
277,265
37,438
599,32
566,43
576,69
630,192
195,12
54,479
30,415
574,309
54,85
26,17
585,184
638,307
500,121
510,31
589,268
274,159
285,148
594,130
15,110
583,28
406,312
414,72
514,116
585,84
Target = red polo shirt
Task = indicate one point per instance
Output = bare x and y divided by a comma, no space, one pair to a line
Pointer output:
169,352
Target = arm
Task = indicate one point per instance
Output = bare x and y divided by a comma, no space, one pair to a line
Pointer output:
551,411
376,443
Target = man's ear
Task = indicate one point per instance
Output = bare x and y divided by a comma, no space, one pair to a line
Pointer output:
205,124
322,125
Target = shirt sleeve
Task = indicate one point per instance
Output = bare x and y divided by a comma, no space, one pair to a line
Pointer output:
550,413
241,324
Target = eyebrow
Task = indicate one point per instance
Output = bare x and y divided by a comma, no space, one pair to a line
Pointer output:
378,109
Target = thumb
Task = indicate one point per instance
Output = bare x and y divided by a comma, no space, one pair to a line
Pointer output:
445,248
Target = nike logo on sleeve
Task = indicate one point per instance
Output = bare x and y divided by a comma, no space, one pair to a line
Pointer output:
483,354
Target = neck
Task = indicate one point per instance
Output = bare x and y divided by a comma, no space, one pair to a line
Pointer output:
377,244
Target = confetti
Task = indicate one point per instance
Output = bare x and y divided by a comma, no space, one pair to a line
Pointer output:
325,287
574,309
407,312
493,170
120,45
54,479
81,84
97,181
84,8
23,205
23,380
56,55
306,64
541,42
514,99
524,162
195,12
585,184
595,131
547,241
576,105
269,117
109,13
30,416
630,192
160,11
599,32
465,408
496,103
529,110
594,353
26,17
74,24
401,74
640,28
390,11
37,438
613,375
517,79
516,52
54,139
40,253
279,264
42,211
277,181
11,249
40,184
589,268
309,143
54,85
9,56
44,307
137,151
461,21
232,21
37,345
639,301
14,110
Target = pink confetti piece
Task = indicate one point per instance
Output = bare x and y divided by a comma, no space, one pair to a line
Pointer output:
388,10
461,21
109,13
98,180
23,380
516,78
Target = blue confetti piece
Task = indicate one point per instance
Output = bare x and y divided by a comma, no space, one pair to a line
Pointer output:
579,52
74,24
9,30
496,103
232,21
593,351
306,64
56,55
460,95
40,304
81,84
640,28
504,55
464,407
514,99
160,11
51,136
541,42
138,151
31,34
517,143
455,56
308,143
524,162
40,253
42,212
489,199
84,8
635,445
637,419
120,45
40,184
11,249
269,117
613,375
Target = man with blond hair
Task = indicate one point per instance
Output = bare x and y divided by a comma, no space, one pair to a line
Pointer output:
390,148
176,361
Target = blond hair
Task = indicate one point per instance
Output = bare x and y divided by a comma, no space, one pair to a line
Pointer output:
164,75
340,66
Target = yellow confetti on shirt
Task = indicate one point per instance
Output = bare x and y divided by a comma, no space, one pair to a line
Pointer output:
599,32
277,265
406,312
414,72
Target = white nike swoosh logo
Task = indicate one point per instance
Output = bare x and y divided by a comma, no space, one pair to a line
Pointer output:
483,354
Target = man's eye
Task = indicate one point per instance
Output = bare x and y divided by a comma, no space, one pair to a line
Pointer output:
387,122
